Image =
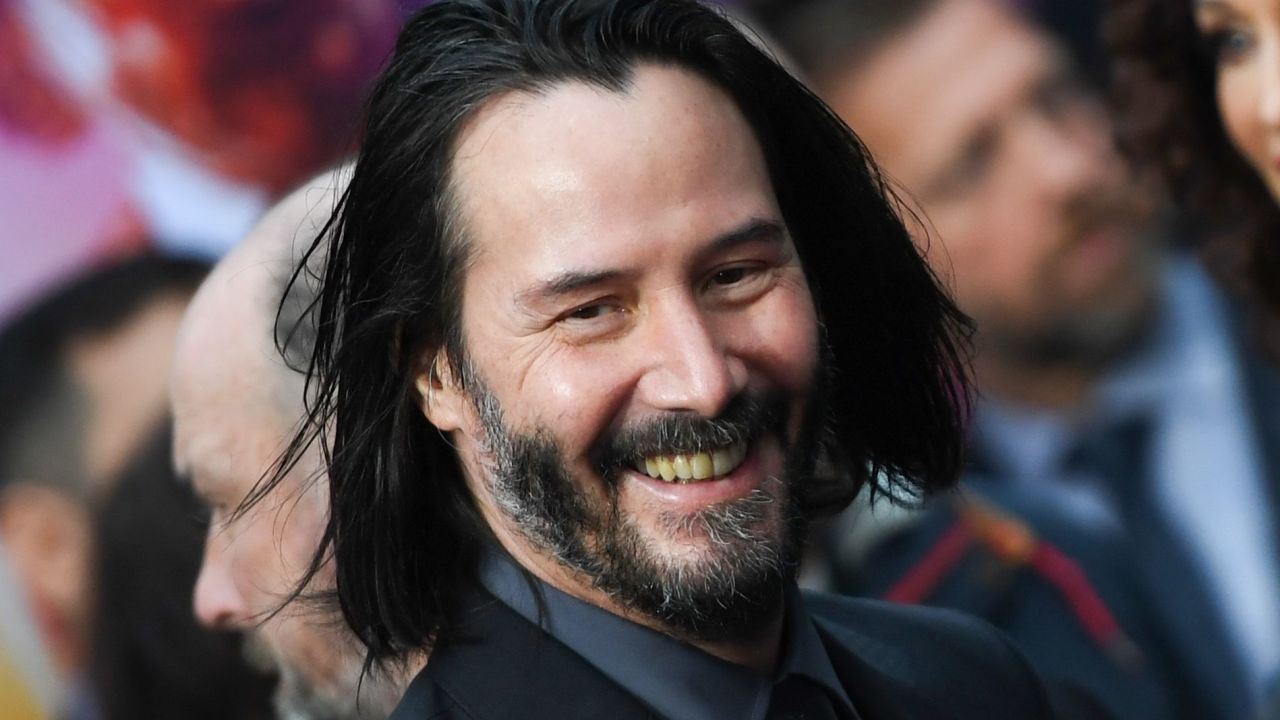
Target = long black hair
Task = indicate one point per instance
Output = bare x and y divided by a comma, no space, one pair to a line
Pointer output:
403,527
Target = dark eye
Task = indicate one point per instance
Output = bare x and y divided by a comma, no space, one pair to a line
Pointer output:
1061,95
1228,45
969,169
730,276
589,312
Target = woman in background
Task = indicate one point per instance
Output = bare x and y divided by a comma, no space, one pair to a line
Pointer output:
1197,85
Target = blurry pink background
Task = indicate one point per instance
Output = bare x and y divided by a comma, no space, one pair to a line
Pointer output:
132,122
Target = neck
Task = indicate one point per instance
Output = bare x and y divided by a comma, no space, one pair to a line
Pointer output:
759,653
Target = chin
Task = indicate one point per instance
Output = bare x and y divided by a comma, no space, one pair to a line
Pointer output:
312,683
297,698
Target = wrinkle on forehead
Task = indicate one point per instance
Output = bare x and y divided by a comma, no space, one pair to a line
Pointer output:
539,172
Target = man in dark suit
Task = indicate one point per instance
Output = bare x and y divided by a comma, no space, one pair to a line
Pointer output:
1123,434
604,286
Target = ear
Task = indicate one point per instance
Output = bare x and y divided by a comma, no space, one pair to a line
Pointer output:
442,400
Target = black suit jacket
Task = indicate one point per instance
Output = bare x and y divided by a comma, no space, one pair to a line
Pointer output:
896,663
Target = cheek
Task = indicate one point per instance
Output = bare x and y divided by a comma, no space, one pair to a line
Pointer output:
785,346
260,568
964,256
299,527
580,392
1238,93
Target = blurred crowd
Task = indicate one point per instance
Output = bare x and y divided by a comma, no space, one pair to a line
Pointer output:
165,167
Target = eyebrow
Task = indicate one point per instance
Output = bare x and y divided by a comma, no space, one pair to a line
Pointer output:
569,282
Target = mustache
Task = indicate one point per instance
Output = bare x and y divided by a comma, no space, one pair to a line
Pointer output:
748,416
1098,207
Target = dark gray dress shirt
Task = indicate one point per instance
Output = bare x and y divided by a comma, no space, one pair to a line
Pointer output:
676,680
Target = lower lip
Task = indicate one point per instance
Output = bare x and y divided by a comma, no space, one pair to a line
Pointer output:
694,496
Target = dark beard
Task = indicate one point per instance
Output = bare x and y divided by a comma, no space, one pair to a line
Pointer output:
754,543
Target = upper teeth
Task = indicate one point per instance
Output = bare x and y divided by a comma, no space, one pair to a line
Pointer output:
697,466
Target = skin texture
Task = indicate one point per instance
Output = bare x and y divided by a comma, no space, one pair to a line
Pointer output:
230,424
1039,225
1245,36
632,194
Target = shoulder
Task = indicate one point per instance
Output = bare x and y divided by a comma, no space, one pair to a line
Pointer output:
894,632
938,662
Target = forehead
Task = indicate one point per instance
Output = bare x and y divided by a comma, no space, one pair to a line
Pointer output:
964,64
577,164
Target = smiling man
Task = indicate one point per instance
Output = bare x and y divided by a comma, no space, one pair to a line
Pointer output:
606,285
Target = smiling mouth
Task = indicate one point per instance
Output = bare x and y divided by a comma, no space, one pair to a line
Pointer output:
694,467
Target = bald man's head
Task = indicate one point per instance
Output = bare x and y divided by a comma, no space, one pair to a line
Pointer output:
237,399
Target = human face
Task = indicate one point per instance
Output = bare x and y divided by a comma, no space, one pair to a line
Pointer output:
978,117
630,270
121,373
227,433
1245,38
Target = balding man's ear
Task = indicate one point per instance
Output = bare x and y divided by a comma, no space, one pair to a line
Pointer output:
442,400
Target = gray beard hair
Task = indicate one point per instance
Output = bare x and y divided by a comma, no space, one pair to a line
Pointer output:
726,595
297,698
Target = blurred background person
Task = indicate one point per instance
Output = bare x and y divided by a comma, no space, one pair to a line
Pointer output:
149,658
1126,530
81,387
1198,95
237,400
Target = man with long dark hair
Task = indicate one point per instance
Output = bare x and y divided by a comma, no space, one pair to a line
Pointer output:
606,285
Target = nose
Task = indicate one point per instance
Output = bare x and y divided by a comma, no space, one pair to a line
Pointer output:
218,603
693,368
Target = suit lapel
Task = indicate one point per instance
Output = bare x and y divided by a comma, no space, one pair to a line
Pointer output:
1173,583
875,695
1178,594
1262,392
503,666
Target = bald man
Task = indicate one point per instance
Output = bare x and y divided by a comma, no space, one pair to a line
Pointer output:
235,402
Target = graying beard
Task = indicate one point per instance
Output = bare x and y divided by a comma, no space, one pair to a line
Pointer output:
730,528
498,453
605,552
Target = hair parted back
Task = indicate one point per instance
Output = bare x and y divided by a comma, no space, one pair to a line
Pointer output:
403,529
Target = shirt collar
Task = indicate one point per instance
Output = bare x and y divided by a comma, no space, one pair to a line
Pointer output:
674,679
